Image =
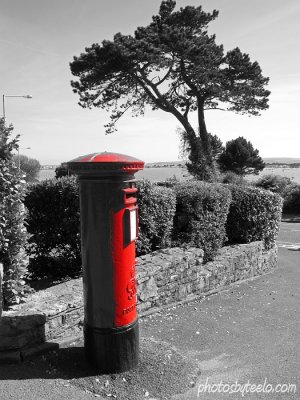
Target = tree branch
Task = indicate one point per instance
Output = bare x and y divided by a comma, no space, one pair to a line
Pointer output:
187,79
167,74
215,108
161,101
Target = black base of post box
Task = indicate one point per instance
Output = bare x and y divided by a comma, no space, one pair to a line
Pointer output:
112,350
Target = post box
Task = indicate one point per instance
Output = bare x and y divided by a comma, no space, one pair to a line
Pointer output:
1,278
109,228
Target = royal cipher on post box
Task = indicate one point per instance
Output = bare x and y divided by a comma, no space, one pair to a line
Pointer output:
109,228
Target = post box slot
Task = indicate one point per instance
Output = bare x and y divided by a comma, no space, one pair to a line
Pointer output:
130,195
130,190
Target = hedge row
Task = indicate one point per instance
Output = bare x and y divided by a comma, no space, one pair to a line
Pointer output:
201,214
53,222
189,213
288,190
156,213
254,214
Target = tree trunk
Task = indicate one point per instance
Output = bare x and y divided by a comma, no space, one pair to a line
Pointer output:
203,150
202,164
205,143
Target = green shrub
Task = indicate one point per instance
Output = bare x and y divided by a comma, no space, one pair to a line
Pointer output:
291,196
232,178
284,186
169,182
156,211
54,224
13,234
201,213
274,183
254,214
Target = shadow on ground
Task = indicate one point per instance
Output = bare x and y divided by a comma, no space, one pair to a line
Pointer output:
291,218
162,372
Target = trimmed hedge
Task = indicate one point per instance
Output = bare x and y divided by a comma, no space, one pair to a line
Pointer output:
54,224
254,214
191,213
291,198
201,214
156,211
284,186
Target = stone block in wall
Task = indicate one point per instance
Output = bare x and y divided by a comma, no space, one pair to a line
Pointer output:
20,340
268,260
181,293
144,306
147,290
31,352
10,357
161,282
13,325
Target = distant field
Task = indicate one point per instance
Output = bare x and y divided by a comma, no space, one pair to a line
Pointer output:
292,173
153,174
281,160
163,173
46,174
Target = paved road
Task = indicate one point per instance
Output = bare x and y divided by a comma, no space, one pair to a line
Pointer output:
248,333
289,235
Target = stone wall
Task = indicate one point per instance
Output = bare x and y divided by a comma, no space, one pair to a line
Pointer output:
163,277
172,275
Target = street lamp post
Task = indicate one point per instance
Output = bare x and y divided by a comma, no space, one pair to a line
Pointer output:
27,96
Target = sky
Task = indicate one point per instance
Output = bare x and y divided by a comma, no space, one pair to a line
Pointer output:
38,39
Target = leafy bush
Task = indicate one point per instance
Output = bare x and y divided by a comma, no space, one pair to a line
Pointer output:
201,213
285,187
254,214
232,178
291,196
156,211
63,170
169,182
13,235
29,166
274,183
54,224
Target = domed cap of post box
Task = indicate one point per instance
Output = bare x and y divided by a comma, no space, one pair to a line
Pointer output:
105,163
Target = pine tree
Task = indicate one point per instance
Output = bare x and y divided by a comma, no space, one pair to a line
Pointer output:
174,65
240,157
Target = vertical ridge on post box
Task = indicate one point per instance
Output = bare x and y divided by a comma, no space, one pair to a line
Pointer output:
124,265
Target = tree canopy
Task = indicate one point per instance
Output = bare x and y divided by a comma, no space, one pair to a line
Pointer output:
29,166
63,170
174,65
240,157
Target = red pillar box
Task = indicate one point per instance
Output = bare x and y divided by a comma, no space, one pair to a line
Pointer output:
109,225
1,278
